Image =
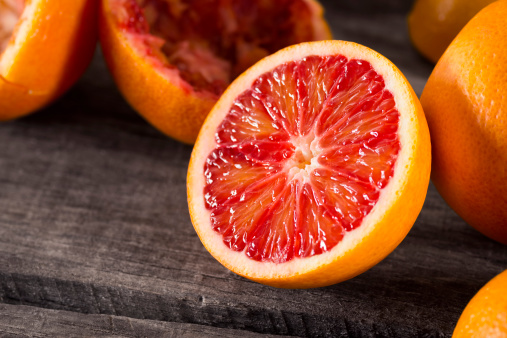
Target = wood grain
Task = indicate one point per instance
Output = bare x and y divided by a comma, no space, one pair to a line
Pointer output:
94,220
27,321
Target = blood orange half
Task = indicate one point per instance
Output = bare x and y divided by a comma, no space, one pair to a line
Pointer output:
312,167
173,59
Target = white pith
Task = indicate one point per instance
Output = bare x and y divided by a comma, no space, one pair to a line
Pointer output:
10,11
238,261
22,32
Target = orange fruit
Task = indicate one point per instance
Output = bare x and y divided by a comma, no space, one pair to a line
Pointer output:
173,59
486,314
311,168
466,106
45,46
433,24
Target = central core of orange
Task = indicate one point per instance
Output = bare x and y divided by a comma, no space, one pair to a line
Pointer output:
301,158
304,158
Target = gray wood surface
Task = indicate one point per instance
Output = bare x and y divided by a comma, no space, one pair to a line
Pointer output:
28,321
94,224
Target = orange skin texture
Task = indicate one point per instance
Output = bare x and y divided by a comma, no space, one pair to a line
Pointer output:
175,111
59,46
433,24
465,103
486,314
388,231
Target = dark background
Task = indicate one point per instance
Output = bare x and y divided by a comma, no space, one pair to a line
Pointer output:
95,237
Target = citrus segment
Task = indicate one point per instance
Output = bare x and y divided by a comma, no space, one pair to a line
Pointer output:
304,161
198,48
355,145
45,46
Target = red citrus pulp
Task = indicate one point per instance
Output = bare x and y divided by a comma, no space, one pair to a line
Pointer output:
173,59
315,161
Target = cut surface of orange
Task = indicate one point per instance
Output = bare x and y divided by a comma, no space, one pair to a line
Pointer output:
466,106
311,168
486,314
173,59
45,46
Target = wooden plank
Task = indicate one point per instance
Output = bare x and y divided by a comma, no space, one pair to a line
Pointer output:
28,321
421,287
93,219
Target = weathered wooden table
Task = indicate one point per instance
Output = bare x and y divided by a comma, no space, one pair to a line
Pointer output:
95,237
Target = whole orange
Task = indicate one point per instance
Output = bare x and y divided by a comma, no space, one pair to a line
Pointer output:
486,314
465,102
433,24
45,46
